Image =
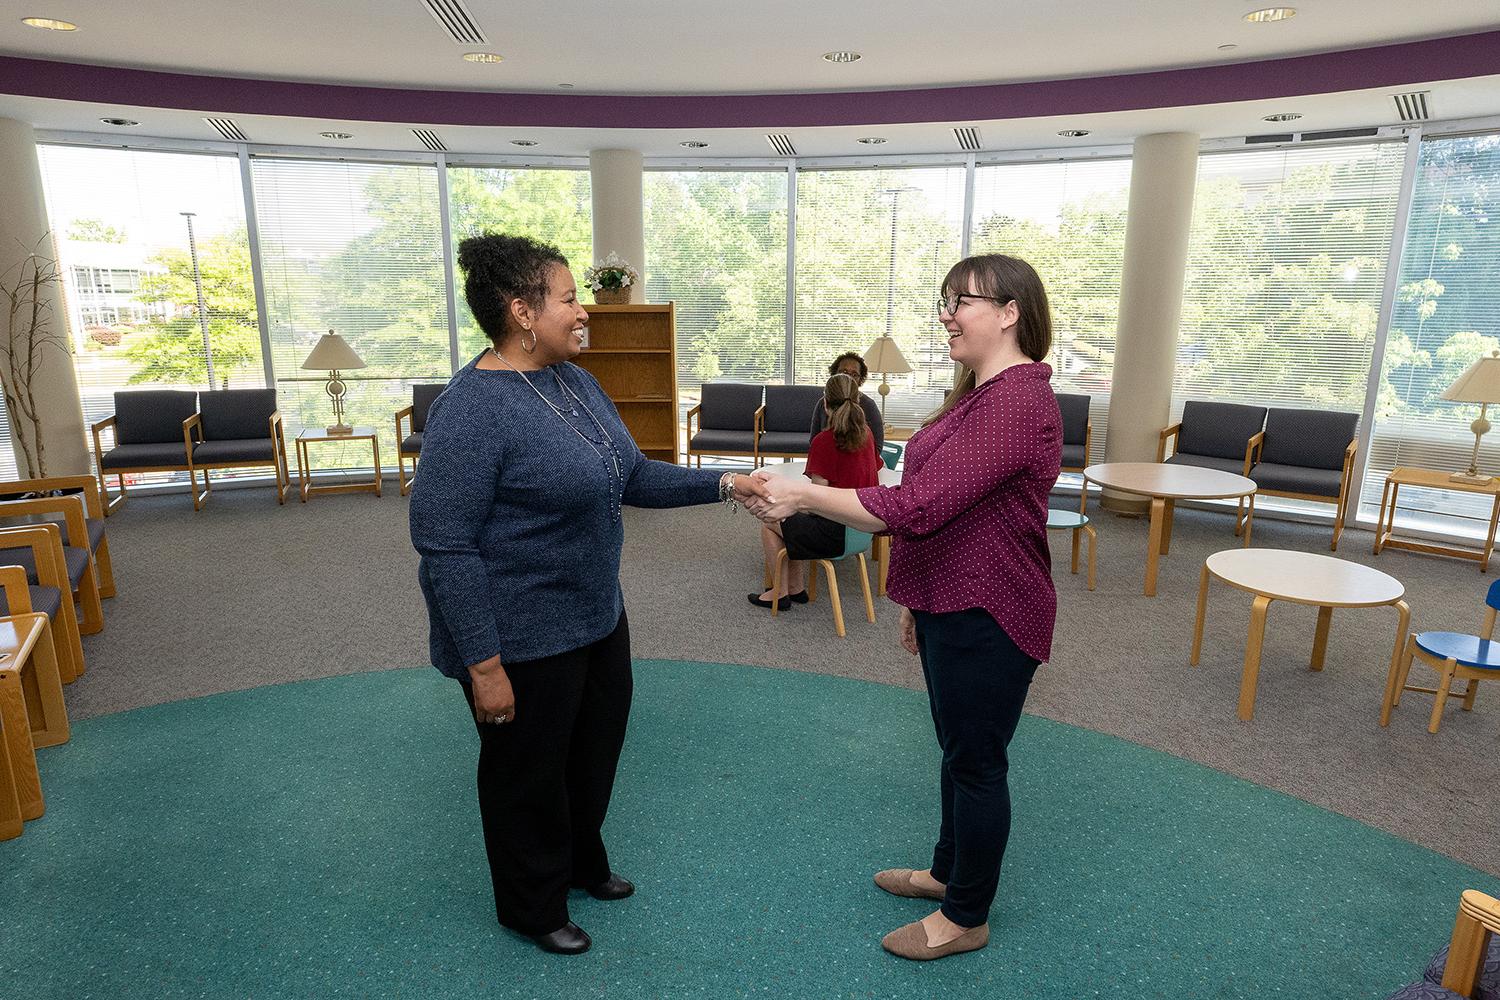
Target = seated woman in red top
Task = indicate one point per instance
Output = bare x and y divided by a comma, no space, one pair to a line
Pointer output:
843,456
970,567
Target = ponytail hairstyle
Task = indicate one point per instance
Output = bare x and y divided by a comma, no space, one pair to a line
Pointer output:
499,269
846,417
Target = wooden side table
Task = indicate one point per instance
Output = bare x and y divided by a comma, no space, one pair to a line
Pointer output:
316,435
1433,480
1323,582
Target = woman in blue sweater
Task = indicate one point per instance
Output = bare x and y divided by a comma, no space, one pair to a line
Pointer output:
516,515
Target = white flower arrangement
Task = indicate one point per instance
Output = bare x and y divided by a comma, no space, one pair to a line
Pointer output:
611,272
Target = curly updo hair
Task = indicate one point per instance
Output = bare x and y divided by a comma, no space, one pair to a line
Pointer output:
499,269
864,369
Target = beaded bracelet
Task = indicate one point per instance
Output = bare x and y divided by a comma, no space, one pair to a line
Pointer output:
726,492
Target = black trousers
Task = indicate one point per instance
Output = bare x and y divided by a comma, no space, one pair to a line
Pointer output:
545,778
977,681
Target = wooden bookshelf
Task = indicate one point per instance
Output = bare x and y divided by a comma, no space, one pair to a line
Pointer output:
632,351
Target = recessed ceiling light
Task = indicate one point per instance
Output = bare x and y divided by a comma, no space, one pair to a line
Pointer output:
122,122
871,140
693,144
50,23
1268,14
1228,47
482,57
842,57
523,142
1073,133
566,86
337,135
1285,116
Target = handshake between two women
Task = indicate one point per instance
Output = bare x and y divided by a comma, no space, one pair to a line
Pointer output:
769,496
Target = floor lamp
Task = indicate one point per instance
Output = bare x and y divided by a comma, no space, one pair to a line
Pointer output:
885,358
1479,383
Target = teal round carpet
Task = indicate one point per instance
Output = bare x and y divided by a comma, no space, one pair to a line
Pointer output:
322,839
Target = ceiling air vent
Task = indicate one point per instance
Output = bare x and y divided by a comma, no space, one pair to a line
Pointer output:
227,129
1341,133
429,139
1260,140
456,21
1412,107
782,144
968,138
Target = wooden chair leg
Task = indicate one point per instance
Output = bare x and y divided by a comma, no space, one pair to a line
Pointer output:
1469,695
1469,943
106,569
833,596
776,582
1093,540
812,585
87,596
15,730
864,583
1440,701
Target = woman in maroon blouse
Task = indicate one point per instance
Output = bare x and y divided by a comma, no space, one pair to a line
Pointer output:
971,568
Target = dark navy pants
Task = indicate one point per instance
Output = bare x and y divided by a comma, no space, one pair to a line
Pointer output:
977,681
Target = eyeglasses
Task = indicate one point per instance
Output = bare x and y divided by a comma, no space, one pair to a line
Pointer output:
949,304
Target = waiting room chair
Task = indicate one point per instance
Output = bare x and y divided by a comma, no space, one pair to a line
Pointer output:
729,421
890,454
856,544
1214,436
86,487
32,715
783,429
83,576
1078,430
1454,655
236,429
1307,455
409,445
1468,966
48,596
149,436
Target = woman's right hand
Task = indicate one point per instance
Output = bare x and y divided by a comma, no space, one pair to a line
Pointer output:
908,631
494,701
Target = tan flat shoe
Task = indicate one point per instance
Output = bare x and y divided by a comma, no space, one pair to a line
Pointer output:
911,942
897,882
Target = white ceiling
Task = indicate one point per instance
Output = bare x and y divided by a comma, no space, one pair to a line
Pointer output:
711,46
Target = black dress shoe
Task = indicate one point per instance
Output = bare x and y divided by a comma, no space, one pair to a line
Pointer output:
569,939
614,887
800,597
781,605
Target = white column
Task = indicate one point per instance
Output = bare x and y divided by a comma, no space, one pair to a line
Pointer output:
619,219
57,447
1163,174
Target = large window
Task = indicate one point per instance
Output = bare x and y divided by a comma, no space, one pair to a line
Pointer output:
355,248
551,205
1446,315
1068,221
120,219
873,246
1286,265
716,246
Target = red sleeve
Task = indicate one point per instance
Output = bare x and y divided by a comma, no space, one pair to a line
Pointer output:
821,460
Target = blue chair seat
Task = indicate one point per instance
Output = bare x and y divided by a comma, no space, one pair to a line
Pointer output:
1061,519
1467,650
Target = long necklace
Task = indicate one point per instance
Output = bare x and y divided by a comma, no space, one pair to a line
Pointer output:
613,462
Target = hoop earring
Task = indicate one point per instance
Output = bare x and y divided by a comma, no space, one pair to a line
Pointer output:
532,348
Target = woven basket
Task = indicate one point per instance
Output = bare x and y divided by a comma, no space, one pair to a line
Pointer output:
612,296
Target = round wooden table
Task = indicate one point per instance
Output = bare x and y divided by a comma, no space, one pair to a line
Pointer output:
881,547
1165,485
1323,582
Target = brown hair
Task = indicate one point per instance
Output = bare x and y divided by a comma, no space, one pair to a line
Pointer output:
1008,279
846,417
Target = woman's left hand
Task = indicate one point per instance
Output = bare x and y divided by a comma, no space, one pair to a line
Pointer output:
783,497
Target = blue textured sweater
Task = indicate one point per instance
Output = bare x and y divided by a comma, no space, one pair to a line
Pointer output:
517,516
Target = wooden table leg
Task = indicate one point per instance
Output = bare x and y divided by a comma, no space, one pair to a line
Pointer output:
1392,676
1202,613
1489,541
1153,544
1093,541
1168,509
375,445
17,735
1249,521
882,561
1387,520
1320,637
1077,536
302,462
1252,657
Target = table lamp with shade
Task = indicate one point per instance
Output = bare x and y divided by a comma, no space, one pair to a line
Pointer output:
885,358
1479,383
333,354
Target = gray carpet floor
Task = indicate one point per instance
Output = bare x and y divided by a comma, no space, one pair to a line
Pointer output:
246,593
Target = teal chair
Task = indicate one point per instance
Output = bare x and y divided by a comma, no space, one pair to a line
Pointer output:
1455,656
856,544
890,454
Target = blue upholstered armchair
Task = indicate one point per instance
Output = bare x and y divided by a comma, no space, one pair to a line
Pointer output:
149,436
236,428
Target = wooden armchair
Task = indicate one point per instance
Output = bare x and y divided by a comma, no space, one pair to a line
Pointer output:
86,487
49,596
1078,431
150,435
409,445
1307,455
78,560
1214,436
236,428
730,421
